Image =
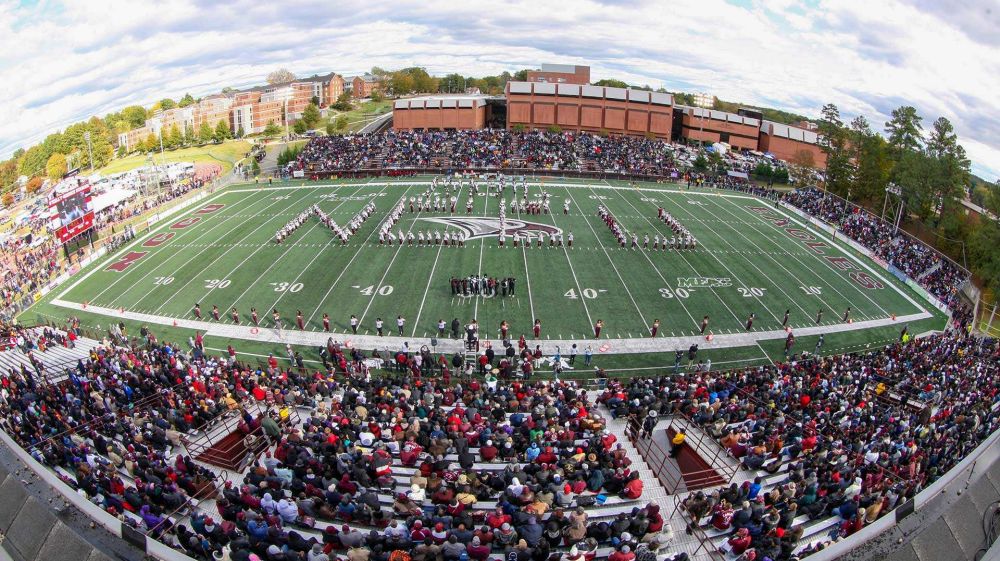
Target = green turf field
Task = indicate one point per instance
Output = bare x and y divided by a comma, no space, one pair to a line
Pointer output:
751,258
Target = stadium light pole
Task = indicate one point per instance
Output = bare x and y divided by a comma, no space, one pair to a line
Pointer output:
90,149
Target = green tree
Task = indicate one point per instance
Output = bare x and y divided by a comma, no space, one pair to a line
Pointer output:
452,83
55,168
904,129
331,129
152,143
240,133
167,103
872,162
314,100
951,167
174,139
376,95
221,131
205,133
341,123
272,129
311,116
185,101
134,116
300,127
700,162
121,151
343,102
611,83
33,161
833,143
521,75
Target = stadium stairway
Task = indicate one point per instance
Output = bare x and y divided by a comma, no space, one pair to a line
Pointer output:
55,358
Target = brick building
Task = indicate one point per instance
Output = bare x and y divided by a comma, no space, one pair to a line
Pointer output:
363,86
539,105
711,126
456,112
560,74
791,144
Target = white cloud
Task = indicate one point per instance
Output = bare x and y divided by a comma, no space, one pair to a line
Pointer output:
64,62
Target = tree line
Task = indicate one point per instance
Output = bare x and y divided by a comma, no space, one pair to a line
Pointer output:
931,170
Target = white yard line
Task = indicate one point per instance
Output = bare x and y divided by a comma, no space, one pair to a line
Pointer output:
220,256
579,289
482,246
733,275
790,298
177,236
333,239
196,254
388,267
835,289
346,268
586,218
430,278
795,298
662,278
527,281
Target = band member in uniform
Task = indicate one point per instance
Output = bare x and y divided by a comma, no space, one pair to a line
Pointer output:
504,328
276,317
847,314
326,322
598,326
655,329
784,322
704,324
569,240
253,316
750,320
537,328
215,312
298,320
236,316
378,326
197,311
819,316
354,324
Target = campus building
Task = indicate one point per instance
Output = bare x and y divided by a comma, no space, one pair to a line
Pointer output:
560,74
711,126
363,86
442,112
599,109
791,144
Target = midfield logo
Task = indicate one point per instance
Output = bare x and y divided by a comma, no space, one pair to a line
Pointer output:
490,227
703,282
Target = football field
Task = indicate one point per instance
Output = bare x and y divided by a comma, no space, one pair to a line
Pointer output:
751,258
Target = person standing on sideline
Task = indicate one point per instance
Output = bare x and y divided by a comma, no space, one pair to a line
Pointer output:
441,326
819,344
847,314
537,329
655,328
598,326
253,316
704,324
455,326
354,324
326,322
819,316
784,322
750,321
378,326
400,322
588,355
572,354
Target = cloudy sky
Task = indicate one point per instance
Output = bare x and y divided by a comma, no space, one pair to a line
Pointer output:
61,62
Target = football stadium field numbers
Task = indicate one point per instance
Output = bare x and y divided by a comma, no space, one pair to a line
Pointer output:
678,292
284,286
588,293
384,290
568,278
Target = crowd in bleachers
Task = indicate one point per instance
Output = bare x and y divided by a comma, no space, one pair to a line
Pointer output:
488,148
414,463
848,436
938,276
